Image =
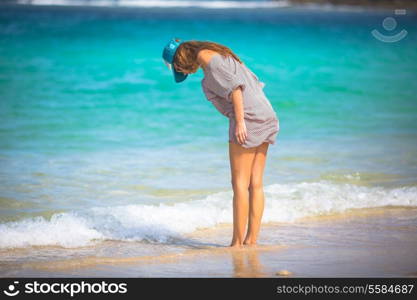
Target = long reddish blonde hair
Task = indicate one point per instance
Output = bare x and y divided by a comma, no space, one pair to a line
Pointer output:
186,56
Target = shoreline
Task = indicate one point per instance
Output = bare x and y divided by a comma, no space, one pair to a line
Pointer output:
377,242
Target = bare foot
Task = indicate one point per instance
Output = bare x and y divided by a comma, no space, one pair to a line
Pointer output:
235,245
247,243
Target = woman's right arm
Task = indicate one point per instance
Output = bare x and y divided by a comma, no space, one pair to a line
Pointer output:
240,130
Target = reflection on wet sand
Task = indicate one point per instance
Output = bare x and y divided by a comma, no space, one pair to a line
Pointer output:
246,263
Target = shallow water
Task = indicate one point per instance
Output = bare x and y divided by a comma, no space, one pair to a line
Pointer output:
377,242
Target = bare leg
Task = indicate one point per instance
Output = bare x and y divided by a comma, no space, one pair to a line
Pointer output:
241,161
256,195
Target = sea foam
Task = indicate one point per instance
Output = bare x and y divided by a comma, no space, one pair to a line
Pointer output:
163,223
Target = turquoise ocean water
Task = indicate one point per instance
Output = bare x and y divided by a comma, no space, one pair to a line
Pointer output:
99,142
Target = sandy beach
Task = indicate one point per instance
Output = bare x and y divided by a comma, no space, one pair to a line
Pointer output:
378,242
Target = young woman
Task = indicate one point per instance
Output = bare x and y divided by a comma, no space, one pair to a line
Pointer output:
237,93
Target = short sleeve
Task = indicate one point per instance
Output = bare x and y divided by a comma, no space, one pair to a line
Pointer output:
224,81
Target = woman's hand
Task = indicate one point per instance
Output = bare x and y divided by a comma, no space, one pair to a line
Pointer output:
240,132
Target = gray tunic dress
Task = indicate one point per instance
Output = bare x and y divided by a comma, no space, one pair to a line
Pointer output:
224,74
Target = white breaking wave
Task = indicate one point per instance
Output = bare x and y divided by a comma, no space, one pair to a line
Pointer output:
161,223
160,3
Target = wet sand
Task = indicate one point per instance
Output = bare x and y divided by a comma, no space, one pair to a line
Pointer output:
378,242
